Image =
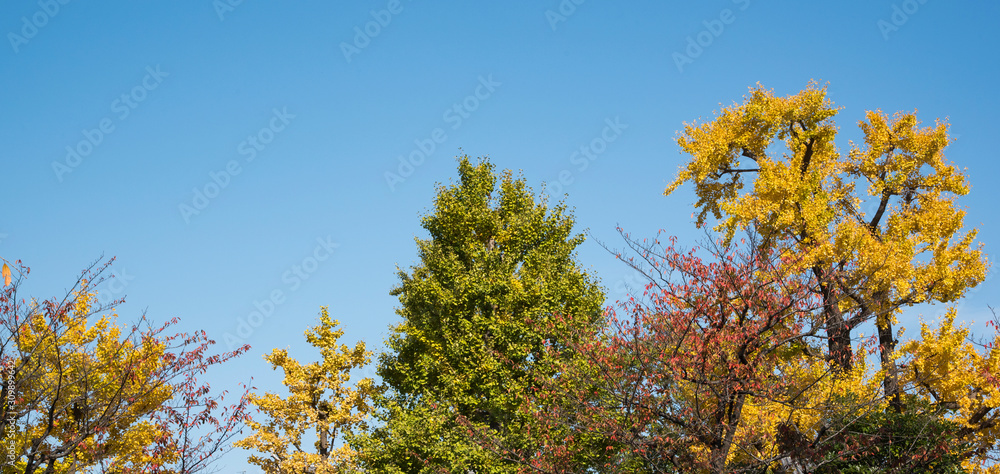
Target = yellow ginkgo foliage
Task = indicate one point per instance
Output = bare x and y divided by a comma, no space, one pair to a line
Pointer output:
320,402
83,392
877,228
947,369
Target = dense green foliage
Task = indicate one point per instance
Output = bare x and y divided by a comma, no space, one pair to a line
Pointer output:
914,441
497,267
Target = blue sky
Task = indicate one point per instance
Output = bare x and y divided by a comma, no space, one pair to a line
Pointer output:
300,116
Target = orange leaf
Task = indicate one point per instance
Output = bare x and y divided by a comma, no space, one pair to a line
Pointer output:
6,275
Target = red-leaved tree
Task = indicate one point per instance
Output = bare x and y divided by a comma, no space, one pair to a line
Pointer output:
665,386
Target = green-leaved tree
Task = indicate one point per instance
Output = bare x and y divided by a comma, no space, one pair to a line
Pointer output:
499,265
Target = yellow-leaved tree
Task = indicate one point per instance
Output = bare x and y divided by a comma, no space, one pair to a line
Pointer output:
949,369
83,392
319,402
876,229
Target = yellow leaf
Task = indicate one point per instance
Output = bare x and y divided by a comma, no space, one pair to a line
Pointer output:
6,275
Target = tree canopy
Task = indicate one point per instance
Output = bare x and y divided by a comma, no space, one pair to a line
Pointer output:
497,266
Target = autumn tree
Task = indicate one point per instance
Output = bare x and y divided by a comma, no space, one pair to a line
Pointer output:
682,370
717,367
320,403
878,229
909,249
497,266
955,373
84,392
196,425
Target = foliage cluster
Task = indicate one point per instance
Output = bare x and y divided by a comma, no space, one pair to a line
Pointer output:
743,354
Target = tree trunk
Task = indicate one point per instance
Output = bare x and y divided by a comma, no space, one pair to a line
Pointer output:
887,345
837,331
721,454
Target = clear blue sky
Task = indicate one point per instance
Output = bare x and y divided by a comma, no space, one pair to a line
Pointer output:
328,122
